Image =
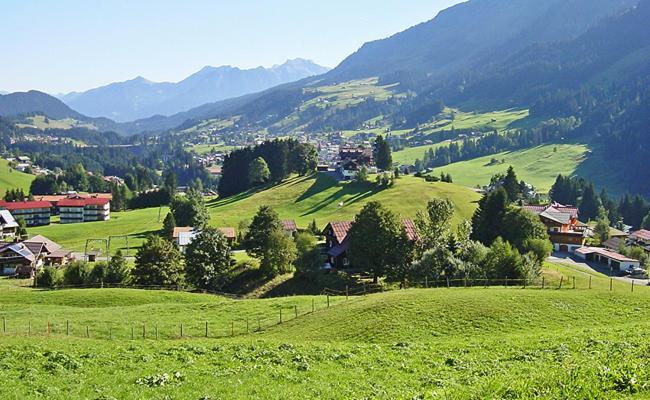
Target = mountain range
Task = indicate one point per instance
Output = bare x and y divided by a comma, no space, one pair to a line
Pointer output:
140,98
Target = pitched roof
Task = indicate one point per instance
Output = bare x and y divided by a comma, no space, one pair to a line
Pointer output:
605,253
228,232
7,220
82,202
641,235
411,230
181,229
556,215
20,249
24,205
289,225
50,245
557,207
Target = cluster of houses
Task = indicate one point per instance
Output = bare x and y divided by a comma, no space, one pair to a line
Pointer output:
350,160
24,164
569,235
72,208
24,258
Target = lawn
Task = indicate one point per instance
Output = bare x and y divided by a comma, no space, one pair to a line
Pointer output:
137,224
538,166
321,198
12,179
483,121
463,343
408,155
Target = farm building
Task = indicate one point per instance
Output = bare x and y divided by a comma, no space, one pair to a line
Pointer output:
289,226
616,261
34,213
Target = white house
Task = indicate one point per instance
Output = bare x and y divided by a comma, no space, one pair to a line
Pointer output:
616,261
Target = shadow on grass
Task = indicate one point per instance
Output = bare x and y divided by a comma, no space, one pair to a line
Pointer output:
321,183
358,191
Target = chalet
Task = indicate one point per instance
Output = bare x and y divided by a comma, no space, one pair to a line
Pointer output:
8,226
84,209
18,259
289,226
34,213
230,234
615,261
337,244
641,238
565,231
183,236
351,160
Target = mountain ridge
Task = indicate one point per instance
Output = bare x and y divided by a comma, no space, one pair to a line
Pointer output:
139,98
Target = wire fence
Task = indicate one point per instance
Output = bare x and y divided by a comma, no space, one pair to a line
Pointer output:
258,322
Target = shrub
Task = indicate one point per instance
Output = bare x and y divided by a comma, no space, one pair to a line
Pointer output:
76,273
49,277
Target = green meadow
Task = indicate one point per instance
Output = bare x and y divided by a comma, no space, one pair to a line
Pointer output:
459,343
12,179
538,165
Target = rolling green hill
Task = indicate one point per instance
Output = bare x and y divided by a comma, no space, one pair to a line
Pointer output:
12,179
301,198
321,198
463,343
538,166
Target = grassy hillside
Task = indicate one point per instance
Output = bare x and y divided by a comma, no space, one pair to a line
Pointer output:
539,165
321,198
435,343
12,179
300,198
483,121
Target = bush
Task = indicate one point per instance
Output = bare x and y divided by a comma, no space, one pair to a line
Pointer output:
76,273
49,277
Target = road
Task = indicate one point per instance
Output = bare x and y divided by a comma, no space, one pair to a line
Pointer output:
566,258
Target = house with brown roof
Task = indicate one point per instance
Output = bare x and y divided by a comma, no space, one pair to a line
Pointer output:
230,234
565,231
19,259
289,226
337,244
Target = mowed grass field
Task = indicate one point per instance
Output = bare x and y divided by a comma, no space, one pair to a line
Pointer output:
538,166
459,343
321,198
12,179
136,224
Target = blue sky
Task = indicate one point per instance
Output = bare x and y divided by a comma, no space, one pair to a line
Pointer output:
65,45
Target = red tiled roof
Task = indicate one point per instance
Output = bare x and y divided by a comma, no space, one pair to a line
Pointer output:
83,202
181,229
642,234
411,230
535,209
228,232
340,229
24,205
289,225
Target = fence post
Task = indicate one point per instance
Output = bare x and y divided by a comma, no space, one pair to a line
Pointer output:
543,281
67,327
87,332
561,281
328,300
280,314
465,281
506,282
632,285
589,281
313,306
232,328
29,328
347,292
181,329
132,333
144,331
49,329
247,326
110,333
156,329
426,282
610,284
295,310
448,283
574,282
259,324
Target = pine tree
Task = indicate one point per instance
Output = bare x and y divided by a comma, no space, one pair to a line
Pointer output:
589,203
382,154
168,226
511,185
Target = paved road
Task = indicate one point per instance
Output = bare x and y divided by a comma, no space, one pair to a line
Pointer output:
566,258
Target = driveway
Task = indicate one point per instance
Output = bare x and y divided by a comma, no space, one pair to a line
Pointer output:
569,259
